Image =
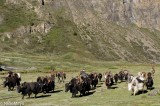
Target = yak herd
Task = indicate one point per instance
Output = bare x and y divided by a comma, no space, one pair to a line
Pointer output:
82,83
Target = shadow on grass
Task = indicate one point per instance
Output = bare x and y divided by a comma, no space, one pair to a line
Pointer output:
140,92
113,87
87,94
42,96
56,91
90,93
151,88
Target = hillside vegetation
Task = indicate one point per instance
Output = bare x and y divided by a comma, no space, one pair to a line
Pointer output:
97,30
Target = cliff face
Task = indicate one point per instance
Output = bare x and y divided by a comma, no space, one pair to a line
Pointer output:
144,13
106,29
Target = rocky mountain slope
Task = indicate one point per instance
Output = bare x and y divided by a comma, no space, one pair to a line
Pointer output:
97,29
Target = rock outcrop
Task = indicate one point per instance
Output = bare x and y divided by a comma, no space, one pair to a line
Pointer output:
110,29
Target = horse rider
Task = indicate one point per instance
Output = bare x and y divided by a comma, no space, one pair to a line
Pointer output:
53,74
10,74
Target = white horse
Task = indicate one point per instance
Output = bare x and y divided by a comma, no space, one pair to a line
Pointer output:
135,86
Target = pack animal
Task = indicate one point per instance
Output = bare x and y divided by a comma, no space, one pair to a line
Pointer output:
12,80
27,88
149,81
47,82
136,85
61,76
75,86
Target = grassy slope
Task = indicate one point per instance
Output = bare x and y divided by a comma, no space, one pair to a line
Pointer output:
15,16
64,38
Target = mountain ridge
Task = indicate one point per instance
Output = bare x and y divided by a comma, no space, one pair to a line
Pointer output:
106,29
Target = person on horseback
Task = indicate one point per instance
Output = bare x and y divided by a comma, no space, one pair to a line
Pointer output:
53,74
83,73
10,74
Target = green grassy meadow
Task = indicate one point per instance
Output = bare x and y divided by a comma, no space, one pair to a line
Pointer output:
70,47
101,96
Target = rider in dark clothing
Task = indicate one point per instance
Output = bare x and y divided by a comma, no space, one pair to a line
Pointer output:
10,73
83,74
